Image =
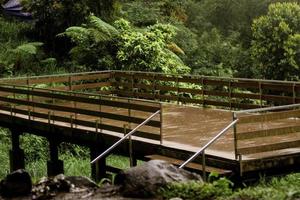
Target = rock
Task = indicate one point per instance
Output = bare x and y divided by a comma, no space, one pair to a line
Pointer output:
18,183
82,182
144,181
49,187
61,186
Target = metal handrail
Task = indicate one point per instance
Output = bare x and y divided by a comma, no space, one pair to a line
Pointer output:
268,109
202,150
125,136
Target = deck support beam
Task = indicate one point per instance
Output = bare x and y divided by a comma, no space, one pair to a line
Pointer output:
54,165
99,167
16,154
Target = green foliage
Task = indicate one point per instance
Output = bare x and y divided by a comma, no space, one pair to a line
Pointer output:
217,55
12,34
102,46
35,147
148,50
194,190
4,148
275,42
53,17
278,188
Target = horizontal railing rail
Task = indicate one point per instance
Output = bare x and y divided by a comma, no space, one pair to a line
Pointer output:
78,109
202,150
273,108
239,93
279,133
125,137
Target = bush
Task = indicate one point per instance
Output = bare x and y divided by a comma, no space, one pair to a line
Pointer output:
275,43
194,190
100,45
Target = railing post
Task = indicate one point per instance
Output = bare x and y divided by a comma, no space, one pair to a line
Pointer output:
203,91
161,123
132,160
177,86
70,83
234,117
230,94
260,93
32,100
203,166
294,93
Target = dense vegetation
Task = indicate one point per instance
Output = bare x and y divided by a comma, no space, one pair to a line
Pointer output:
245,38
254,39
283,188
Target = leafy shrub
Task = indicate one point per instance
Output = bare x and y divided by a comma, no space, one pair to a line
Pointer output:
278,188
194,190
100,45
275,44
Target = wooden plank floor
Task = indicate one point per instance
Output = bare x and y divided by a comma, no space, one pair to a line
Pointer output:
189,128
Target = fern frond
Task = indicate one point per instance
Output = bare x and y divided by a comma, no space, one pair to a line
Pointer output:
102,29
77,34
28,48
174,48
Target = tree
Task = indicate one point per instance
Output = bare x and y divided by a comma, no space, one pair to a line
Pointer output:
54,16
100,45
275,44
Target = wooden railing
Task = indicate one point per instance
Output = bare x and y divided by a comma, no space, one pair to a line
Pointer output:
80,110
267,130
215,91
232,93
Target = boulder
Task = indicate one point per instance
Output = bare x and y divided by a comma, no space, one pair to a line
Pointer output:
143,181
18,183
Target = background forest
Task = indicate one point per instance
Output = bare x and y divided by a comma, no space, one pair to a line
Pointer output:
232,38
245,38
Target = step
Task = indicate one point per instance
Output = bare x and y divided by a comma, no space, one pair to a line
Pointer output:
190,166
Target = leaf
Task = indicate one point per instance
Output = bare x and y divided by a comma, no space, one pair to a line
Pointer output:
28,48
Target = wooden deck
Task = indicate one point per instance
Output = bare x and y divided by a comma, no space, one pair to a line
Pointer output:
262,141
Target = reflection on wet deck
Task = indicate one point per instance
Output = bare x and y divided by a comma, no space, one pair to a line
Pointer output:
192,127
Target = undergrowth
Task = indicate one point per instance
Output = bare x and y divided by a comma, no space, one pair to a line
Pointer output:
76,158
196,190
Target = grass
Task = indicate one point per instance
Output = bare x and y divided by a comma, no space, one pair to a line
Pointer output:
283,188
76,159
278,188
4,159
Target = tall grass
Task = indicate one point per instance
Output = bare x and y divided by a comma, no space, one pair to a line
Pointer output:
4,149
76,158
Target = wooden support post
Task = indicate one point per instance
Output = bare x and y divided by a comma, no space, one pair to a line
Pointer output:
129,148
230,94
161,123
16,154
99,167
260,94
203,90
294,93
132,158
234,117
54,165
203,166
240,159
